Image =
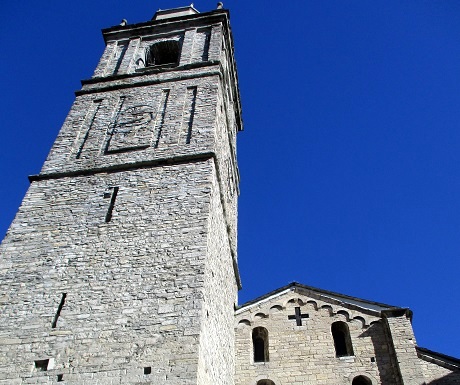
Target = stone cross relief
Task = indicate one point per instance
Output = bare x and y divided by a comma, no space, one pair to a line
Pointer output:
298,316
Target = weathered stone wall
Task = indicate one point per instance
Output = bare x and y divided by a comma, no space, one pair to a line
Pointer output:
126,53
217,337
96,133
134,285
402,341
305,354
119,266
383,344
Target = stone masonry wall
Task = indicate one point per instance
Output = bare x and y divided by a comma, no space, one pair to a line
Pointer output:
140,124
216,365
119,266
305,354
126,54
134,285
399,331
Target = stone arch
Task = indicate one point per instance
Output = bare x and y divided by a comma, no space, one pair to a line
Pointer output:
260,316
314,304
140,63
260,344
328,308
345,314
276,308
244,322
360,319
271,378
361,380
265,381
294,301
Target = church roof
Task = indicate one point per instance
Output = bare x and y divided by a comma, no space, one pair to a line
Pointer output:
443,360
325,295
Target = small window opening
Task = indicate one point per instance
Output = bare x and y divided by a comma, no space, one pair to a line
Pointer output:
342,340
60,378
361,380
260,344
163,53
148,370
41,365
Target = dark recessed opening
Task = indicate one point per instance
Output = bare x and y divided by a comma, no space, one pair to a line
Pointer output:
163,52
361,380
342,339
41,365
260,344
58,313
60,378
147,370
372,359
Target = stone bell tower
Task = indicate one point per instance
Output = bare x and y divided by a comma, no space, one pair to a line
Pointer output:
121,265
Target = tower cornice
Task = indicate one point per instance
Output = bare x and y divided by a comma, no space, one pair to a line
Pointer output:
130,30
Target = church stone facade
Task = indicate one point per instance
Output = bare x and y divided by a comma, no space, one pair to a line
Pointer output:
121,264
299,335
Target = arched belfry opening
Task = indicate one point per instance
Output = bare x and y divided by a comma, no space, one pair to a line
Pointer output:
361,380
342,339
260,344
163,53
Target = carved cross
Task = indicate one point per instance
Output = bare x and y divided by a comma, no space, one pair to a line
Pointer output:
298,316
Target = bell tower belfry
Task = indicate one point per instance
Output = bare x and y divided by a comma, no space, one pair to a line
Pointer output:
121,264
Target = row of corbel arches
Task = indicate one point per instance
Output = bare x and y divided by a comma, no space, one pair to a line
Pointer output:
332,312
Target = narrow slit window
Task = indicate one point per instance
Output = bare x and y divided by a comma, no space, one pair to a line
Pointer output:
163,106
113,197
191,101
58,313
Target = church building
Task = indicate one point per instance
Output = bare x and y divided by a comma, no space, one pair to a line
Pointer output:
121,264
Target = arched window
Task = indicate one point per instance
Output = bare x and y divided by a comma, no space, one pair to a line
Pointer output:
260,344
342,340
265,382
361,380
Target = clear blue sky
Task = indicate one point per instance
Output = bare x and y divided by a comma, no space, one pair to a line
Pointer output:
350,160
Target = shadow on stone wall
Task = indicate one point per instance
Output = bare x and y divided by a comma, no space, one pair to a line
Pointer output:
382,357
450,379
